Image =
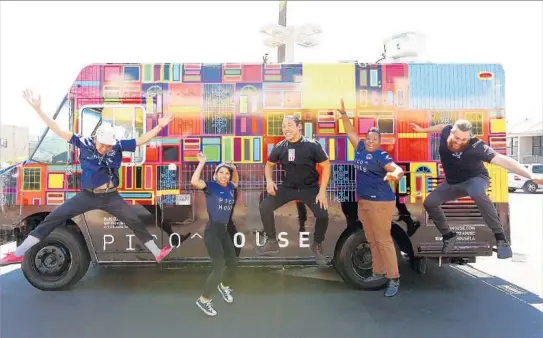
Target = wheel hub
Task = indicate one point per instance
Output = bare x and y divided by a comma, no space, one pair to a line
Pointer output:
50,260
362,258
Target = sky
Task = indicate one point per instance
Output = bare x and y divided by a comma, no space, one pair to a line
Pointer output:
45,52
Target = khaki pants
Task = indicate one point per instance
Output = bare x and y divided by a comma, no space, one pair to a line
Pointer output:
376,217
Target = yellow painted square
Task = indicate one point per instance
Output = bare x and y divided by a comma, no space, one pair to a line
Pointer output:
325,84
55,181
341,126
497,126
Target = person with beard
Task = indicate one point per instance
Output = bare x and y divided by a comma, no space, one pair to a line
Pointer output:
299,157
462,156
219,194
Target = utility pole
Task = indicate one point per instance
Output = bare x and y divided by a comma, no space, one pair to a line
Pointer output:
285,38
281,50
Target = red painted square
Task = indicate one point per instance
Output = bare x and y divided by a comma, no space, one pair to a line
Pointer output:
364,125
151,154
113,73
251,73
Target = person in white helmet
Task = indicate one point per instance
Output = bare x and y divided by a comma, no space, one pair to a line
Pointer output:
100,157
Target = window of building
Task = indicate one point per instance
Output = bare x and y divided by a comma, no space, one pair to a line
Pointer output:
536,146
512,147
128,120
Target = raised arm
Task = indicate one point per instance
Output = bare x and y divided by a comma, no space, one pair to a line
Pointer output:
349,129
196,181
36,104
148,136
438,128
235,174
510,164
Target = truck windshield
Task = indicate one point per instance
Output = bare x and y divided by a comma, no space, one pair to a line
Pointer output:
51,148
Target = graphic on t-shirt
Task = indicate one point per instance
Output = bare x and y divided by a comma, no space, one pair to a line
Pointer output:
291,154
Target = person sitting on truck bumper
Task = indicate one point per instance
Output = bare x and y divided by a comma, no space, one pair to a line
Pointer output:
220,202
100,157
374,168
299,157
462,157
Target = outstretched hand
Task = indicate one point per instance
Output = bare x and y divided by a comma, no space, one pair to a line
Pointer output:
342,110
416,127
537,180
391,176
164,120
34,101
202,158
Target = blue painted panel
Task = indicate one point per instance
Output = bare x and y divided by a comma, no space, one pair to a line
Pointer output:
455,86
212,73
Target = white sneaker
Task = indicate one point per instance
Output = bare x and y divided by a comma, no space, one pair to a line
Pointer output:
206,307
226,293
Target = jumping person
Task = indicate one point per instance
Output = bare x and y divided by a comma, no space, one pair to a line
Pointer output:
462,156
100,158
299,157
374,168
220,202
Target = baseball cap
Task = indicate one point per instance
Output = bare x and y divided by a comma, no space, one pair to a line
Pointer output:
106,135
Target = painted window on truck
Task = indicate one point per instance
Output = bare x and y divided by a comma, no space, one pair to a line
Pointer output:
52,149
32,179
129,122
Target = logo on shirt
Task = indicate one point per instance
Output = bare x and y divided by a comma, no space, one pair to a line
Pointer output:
369,157
291,154
458,155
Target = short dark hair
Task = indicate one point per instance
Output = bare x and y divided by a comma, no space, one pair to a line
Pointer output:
294,118
463,125
375,130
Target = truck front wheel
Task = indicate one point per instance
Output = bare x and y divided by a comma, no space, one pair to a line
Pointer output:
354,260
57,262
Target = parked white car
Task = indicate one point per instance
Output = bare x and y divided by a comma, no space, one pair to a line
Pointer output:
519,182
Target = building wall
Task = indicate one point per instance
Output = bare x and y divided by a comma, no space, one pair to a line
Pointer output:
17,142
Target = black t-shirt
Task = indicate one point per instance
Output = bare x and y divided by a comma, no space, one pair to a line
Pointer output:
299,161
461,166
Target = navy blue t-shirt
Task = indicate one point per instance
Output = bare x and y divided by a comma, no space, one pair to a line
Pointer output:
370,174
461,166
97,169
219,201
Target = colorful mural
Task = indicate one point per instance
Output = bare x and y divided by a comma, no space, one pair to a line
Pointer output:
233,112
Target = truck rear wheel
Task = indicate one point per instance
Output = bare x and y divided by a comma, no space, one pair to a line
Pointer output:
354,260
57,262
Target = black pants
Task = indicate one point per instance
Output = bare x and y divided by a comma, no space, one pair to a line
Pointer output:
84,201
476,189
222,252
284,195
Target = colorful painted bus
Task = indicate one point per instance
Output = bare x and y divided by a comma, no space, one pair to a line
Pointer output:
233,112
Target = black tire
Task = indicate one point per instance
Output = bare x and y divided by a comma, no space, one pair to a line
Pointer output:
530,187
354,261
418,264
67,258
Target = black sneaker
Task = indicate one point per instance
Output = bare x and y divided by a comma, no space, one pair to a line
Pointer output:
206,307
448,244
320,258
226,293
392,288
270,248
504,249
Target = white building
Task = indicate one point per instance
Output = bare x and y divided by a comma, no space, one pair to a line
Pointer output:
13,143
525,141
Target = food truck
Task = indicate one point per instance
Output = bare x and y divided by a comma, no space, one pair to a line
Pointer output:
233,112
